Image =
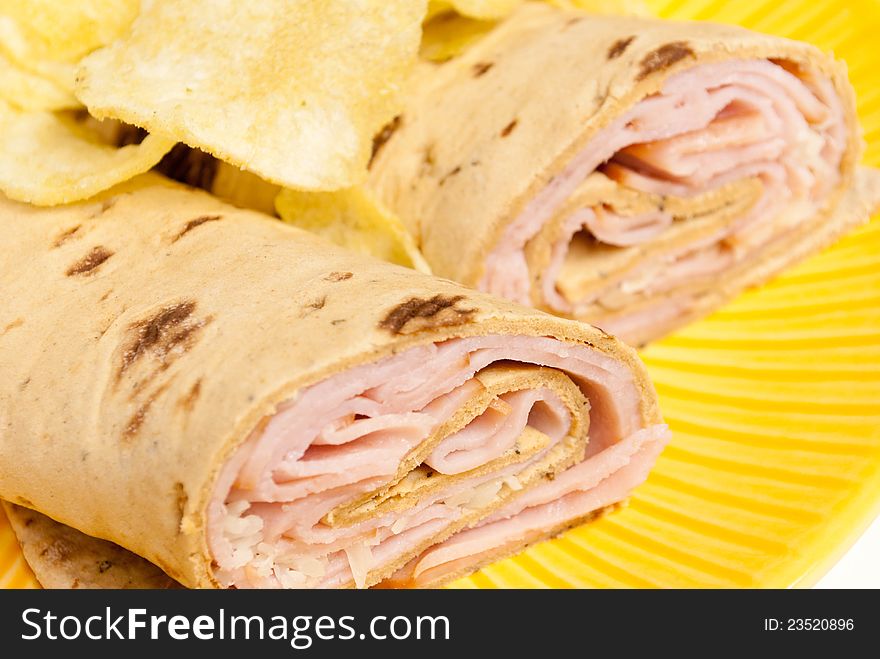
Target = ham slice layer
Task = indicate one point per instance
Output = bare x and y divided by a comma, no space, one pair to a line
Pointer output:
709,126
277,518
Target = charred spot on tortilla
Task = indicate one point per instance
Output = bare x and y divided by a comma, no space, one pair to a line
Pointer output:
88,264
509,128
137,420
619,47
103,566
311,307
192,224
338,276
189,400
170,331
664,57
481,68
428,155
58,550
418,314
428,161
191,166
453,172
573,21
66,235
180,499
383,136
18,322
338,321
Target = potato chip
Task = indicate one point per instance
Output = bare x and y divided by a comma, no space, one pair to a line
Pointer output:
436,7
485,9
615,7
51,158
48,37
202,170
244,189
354,219
449,34
291,90
29,91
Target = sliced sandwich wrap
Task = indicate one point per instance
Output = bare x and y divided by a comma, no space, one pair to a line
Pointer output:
244,405
634,173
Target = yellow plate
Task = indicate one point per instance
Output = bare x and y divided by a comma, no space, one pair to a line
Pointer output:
774,469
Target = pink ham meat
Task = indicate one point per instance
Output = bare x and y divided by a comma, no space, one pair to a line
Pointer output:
710,125
347,435
597,483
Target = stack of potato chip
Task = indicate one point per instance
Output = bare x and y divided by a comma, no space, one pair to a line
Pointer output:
47,154
269,94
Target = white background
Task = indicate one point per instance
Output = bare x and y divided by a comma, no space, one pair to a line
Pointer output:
860,568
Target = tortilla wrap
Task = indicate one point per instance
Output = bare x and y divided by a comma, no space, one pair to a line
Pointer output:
62,557
245,405
634,173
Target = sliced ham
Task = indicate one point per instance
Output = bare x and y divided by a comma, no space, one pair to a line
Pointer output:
342,441
593,485
710,125
632,173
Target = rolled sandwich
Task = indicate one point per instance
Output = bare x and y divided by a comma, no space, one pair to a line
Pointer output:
634,173
245,405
